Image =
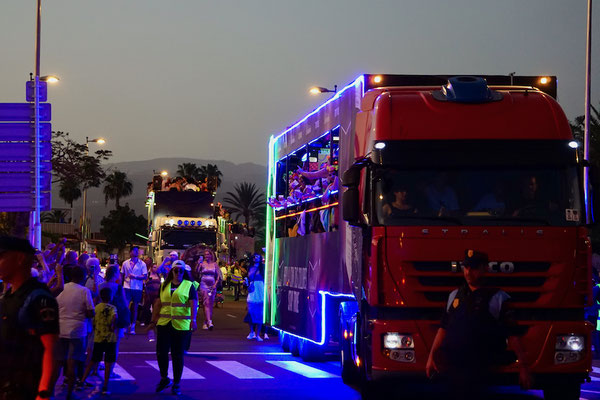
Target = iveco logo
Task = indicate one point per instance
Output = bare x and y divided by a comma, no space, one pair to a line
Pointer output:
505,267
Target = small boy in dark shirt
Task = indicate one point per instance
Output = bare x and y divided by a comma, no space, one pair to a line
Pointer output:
473,333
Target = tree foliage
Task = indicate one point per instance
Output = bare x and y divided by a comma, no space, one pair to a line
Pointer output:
578,125
212,173
120,226
116,186
190,172
69,190
245,202
73,168
54,216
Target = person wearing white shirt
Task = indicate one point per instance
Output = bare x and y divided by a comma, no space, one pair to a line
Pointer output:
75,305
134,273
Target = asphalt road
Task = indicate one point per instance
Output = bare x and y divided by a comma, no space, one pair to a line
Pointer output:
222,364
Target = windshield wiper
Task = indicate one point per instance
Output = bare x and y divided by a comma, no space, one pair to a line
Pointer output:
455,220
516,219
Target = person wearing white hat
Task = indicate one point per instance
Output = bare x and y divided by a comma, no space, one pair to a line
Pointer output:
174,316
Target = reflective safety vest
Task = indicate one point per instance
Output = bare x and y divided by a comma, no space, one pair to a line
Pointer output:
175,306
196,286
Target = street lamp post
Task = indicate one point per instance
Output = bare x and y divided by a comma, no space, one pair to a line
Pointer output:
588,88
84,224
319,89
35,234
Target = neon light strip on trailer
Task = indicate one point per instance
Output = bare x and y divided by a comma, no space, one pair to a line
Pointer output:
311,210
360,79
311,142
323,294
307,200
268,218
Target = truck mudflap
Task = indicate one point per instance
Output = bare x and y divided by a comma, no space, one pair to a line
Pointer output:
401,348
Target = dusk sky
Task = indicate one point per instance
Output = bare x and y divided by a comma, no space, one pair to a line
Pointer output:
213,79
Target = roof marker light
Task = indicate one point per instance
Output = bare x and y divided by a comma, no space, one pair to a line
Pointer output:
377,79
380,145
573,144
544,80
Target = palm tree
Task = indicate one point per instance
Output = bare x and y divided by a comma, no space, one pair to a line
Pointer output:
191,172
70,191
213,174
54,216
116,186
247,201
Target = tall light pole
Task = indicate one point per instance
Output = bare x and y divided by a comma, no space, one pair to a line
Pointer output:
588,86
84,224
35,234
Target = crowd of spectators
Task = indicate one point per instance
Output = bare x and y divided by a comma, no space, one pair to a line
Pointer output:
181,184
98,302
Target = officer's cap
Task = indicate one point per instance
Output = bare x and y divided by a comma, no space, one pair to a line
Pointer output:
12,243
475,259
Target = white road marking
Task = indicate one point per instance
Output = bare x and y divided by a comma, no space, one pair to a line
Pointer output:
302,369
187,373
596,370
231,315
239,370
117,369
590,391
595,378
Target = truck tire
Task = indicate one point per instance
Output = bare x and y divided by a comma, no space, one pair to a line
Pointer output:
563,391
310,351
294,346
284,339
349,371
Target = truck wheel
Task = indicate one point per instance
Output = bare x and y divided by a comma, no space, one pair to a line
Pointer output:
294,346
285,341
310,351
563,391
349,370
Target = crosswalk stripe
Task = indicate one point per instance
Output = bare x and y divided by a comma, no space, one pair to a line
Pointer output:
302,369
187,373
594,378
239,370
124,375
596,370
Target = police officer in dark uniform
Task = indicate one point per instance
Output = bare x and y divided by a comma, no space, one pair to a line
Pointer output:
28,326
473,334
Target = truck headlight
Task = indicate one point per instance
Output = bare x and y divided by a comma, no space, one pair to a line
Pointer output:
569,349
570,343
394,340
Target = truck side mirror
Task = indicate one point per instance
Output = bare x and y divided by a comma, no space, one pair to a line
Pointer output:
350,197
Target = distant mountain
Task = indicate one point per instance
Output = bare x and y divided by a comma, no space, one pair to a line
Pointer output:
140,173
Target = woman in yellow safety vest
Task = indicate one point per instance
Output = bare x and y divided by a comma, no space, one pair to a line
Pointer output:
174,315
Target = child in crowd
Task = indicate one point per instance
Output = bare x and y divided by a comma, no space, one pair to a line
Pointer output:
105,338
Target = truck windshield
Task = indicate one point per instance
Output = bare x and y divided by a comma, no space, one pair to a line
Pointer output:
182,239
522,195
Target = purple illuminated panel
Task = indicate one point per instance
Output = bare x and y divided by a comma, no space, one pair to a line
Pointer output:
23,112
23,182
14,202
24,151
15,132
29,91
24,166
